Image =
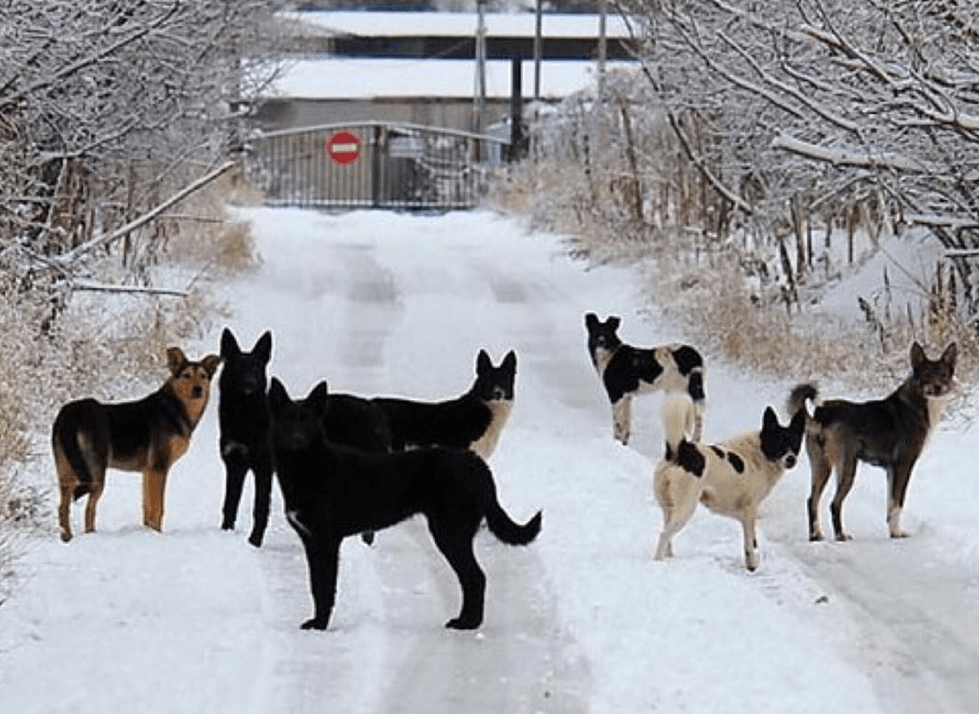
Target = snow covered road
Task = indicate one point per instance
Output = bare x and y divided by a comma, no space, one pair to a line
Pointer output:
582,620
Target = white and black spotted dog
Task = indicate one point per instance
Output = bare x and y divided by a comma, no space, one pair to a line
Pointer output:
627,371
731,478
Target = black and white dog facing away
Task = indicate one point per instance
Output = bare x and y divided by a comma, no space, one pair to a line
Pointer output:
889,432
627,371
332,492
243,418
473,421
731,478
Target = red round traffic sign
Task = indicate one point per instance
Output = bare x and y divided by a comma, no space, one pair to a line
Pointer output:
343,147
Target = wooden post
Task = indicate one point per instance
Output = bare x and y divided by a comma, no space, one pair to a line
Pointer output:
516,110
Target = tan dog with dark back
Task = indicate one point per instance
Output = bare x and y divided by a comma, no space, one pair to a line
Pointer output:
889,432
147,435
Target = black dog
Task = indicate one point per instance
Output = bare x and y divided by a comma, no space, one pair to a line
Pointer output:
356,422
243,414
472,421
243,417
331,492
627,371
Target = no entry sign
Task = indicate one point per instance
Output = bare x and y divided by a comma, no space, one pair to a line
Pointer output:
343,147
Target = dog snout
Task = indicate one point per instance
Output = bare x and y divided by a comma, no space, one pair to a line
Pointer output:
789,461
197,392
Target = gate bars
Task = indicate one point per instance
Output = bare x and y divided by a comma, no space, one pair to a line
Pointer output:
389,166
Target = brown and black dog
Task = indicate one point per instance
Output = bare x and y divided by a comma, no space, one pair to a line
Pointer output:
890,432
147,435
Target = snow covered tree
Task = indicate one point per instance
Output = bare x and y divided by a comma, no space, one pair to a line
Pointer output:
107,106
802,105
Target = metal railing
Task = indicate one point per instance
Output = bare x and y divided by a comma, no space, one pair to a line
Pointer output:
373,165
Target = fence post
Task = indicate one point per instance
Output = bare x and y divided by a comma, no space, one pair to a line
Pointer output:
378,148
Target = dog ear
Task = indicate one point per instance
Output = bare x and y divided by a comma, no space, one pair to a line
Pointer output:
316,401
917,355
210,364
176,359
769,420
949,355
798,425
591,320
510,361
229,345
278,398
263,347
614,321
483,362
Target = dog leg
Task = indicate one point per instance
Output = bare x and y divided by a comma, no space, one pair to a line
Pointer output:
457,549
750,541
64,511
674,520
263,495
94,494
622,418
821,469
897,480
698,421
235,470
664,546
154,485
323,558
846,472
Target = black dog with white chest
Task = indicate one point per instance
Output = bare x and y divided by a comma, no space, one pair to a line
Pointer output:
473,420
331,492
627,371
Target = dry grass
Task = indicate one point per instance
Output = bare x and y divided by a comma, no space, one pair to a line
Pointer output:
106,345
706,296
757,333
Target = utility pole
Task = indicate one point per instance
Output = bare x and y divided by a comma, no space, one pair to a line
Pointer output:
601,48
479,109
537,52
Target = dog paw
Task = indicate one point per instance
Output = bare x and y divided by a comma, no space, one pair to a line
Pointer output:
314,623
459,623
843,537
256,539
900,534
815,537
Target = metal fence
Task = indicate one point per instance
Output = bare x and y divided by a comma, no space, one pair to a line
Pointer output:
373,165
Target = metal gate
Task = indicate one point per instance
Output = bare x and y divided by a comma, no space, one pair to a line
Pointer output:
373,165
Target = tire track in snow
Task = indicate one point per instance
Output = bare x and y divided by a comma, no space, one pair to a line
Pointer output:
917,620
386,648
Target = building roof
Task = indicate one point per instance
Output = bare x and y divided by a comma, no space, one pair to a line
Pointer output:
337,78
457,24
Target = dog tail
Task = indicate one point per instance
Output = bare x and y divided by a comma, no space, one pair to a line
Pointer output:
678,420
507,530
799,396
69,422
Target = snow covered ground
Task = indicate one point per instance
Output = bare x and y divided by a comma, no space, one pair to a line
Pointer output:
582,620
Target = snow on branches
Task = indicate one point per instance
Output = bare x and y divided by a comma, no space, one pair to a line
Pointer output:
831,99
